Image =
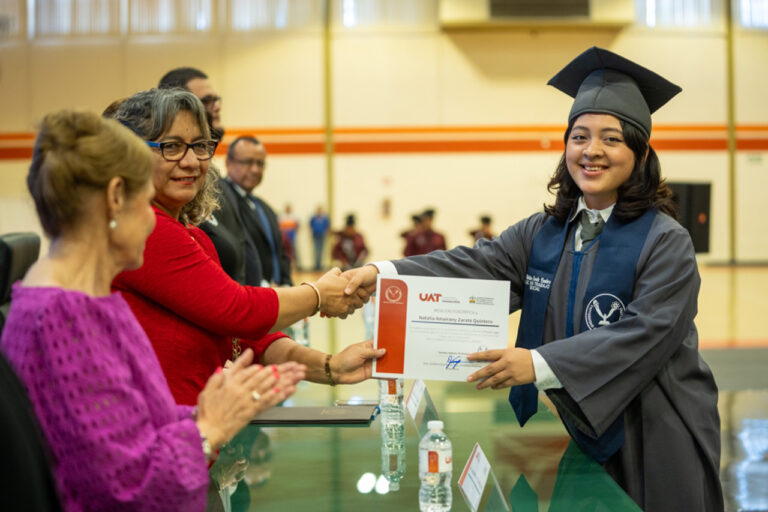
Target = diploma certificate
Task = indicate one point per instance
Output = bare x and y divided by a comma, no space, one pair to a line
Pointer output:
429,324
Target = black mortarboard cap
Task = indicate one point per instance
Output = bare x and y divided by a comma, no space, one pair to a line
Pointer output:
604,82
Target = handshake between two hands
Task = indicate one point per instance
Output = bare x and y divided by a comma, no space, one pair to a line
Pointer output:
344,292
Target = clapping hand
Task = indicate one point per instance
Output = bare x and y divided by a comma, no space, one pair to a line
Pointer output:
229,401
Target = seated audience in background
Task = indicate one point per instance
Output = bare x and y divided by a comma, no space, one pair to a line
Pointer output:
350,250
118,439
484,231
425,240
196,316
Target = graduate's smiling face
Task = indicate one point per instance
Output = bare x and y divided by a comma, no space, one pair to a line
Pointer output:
598,158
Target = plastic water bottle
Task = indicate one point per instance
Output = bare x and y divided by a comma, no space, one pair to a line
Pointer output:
392,431
435,469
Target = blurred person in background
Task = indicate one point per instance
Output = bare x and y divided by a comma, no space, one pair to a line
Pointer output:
289,226
408,234
197,82
249,218
426,239
117,437
350,250
319,223
484,231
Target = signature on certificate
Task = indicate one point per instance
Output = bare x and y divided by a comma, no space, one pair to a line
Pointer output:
453,362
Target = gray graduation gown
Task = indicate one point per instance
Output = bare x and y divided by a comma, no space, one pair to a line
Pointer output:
645,366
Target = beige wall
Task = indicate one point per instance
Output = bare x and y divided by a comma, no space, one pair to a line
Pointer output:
406,78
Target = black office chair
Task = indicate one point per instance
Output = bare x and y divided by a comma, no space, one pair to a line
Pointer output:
18,251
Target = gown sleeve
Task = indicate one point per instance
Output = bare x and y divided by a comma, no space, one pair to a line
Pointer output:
504,258
604,369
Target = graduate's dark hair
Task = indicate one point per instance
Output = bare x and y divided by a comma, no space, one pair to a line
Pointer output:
644,189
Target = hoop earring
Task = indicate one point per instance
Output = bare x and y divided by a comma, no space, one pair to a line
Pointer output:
112,224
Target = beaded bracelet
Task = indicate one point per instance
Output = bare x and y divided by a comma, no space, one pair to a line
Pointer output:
317,292
331,382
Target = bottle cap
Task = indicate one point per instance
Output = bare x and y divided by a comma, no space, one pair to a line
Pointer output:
435,425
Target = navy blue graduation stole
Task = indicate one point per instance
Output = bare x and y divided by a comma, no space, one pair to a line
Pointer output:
608,293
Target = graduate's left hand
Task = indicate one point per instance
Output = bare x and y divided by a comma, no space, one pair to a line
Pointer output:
510,367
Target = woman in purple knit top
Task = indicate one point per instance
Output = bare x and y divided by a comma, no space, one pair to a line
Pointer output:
118,440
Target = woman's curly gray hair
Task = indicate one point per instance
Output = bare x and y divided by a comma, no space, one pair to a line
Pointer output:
150,114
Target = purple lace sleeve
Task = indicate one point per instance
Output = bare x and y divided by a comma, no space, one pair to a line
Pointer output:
119,441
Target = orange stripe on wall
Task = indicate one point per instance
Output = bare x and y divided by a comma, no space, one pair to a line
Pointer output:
284,148
16,153
482,146
445,146
471,129
238,132
689,144
752,144
17,136
446,139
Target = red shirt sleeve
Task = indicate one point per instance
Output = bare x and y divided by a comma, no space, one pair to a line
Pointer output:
182,273
258,346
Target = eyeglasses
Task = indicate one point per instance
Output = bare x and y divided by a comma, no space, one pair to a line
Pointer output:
210,100
175,151
250,162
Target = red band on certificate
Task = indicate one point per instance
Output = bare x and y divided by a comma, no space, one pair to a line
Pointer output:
393,304
469,463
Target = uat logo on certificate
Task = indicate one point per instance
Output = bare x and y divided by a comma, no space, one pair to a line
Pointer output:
430,324
393,293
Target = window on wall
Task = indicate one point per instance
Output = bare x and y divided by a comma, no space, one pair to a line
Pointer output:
10,19
678,13
169,16
385,13
75,17
250,15
105,17
752,13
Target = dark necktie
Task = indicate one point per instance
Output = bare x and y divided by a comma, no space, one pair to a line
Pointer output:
265,224
590,231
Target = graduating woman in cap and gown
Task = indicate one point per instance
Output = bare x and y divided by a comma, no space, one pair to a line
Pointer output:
608,284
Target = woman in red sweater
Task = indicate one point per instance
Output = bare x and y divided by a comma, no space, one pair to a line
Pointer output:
195,315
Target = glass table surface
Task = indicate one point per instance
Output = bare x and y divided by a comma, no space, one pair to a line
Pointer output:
337,469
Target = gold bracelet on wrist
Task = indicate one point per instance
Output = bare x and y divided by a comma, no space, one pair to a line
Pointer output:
317,292
206,445
328,375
